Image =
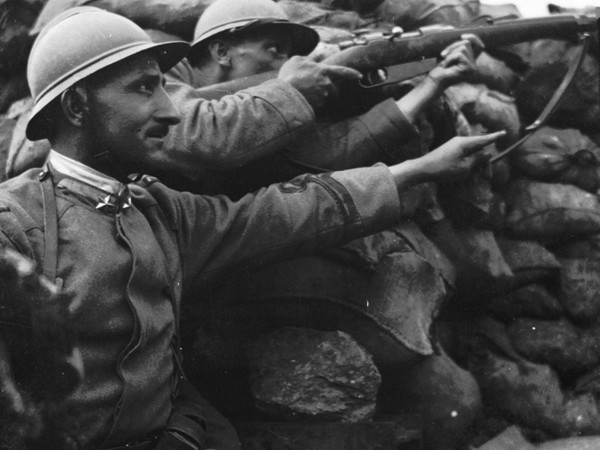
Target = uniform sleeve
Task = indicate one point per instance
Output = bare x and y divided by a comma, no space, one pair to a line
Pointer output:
230,132
375,136
281,221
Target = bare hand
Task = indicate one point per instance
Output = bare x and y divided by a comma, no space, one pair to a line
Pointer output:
459,156
315,81
455,159
458,61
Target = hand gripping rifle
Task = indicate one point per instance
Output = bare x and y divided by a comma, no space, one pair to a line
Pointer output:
385,59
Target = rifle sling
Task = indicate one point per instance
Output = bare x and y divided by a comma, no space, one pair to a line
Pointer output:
553,102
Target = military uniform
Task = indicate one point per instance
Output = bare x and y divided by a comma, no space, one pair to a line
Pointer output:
123,253
289,134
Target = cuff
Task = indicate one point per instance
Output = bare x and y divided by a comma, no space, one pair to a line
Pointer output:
390,128
374,194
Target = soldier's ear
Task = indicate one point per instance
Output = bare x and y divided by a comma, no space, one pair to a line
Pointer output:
220,51
74,104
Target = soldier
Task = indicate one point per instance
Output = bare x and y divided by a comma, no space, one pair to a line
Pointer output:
121,248
236,39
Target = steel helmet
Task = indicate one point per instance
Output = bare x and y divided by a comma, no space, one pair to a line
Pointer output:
236,15
78,43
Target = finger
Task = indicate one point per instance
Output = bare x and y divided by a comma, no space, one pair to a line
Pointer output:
342,73
465,43
454,59
476,43
477,143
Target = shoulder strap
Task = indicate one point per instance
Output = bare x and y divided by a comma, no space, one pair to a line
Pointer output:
50,226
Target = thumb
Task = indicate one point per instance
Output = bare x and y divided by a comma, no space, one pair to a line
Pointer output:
476,143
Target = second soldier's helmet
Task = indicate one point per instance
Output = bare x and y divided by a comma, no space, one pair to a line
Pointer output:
237,15
78,43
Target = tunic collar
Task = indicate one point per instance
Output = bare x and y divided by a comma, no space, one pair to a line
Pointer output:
117,196
85,174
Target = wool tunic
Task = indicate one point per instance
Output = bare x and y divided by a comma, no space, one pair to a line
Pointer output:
123,271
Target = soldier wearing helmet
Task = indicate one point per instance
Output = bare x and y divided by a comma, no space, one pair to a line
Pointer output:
234,39
121,247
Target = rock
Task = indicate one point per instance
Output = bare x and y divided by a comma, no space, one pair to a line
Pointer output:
303,373
560,344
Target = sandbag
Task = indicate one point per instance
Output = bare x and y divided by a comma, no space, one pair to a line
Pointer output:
495,73
12,88
533,300
24,154
480,266
580,279
174,17
560,155
17,19
388,310
528,261
492,109
442,393
410,14
548,212
558,343
549,61
313,15
530,395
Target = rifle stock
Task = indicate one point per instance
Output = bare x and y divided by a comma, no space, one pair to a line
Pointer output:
428,42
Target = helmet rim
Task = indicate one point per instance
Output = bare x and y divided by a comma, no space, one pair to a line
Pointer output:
304,38
67,73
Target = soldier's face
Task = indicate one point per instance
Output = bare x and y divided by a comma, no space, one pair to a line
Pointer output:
259,52
130,111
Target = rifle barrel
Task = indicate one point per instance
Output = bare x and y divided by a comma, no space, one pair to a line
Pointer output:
421,44
414,46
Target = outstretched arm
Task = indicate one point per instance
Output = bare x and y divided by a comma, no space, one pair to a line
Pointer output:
457,64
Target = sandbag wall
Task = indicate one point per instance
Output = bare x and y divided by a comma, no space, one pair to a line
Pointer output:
524,242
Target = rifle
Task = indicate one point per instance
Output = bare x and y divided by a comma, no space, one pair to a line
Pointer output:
391,57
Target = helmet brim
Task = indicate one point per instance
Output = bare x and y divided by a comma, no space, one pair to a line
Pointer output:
304,38
167,54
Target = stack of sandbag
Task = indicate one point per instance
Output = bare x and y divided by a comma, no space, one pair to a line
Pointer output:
534,350
16,19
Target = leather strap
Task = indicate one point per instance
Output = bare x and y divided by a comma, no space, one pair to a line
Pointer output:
50,226
554,101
